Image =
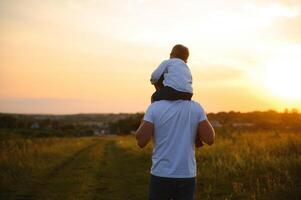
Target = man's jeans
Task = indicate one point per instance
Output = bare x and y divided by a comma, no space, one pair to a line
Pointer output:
162,188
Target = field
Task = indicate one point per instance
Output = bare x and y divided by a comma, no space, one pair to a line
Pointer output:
263,165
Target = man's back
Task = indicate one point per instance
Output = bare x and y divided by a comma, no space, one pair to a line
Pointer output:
175,129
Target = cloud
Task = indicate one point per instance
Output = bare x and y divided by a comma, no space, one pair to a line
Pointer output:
218,76
222,74
287,30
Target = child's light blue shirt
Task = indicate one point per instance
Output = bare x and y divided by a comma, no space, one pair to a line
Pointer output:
176,75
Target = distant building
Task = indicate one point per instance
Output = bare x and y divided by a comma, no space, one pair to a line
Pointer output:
35,125
216,124
94,124
40,117
97,132
243,124
101,132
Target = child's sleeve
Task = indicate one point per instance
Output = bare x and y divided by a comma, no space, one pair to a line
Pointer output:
161,69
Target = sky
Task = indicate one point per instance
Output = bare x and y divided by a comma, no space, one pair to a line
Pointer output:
96,56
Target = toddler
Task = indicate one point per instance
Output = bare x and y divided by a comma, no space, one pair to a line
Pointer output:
172,78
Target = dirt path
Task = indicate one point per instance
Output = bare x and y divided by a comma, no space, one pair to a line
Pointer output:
101,170
74,178
124,174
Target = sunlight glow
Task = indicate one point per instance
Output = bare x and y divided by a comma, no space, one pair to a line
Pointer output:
283,74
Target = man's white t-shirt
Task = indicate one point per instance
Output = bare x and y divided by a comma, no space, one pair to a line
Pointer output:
176,75
175,129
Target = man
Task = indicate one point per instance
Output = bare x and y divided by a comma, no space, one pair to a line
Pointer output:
176,127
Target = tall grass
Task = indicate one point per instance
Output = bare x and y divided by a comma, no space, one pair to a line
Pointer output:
259,165
23,161
255,165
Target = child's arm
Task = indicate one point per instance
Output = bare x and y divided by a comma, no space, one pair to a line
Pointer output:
157,74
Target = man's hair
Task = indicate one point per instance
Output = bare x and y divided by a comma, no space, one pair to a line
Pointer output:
180,51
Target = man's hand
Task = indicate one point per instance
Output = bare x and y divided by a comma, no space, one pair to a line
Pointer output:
159,84
198,142
205,132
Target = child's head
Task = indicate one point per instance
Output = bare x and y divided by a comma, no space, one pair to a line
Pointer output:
180,51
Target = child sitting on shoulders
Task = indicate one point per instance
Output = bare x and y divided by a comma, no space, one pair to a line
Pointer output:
172,78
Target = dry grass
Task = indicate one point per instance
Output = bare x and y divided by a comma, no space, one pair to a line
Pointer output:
259,165
251,166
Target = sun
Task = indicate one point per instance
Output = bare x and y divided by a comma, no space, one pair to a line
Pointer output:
283,76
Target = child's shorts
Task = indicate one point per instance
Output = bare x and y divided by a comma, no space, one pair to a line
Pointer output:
168,93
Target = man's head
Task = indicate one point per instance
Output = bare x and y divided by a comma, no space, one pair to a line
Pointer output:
180,51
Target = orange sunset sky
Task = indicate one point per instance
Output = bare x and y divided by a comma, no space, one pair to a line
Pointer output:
75,56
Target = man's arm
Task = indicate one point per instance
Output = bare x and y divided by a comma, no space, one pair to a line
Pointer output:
144,133
205,132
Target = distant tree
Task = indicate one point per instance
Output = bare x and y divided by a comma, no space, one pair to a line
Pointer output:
8,121
126,125
295,110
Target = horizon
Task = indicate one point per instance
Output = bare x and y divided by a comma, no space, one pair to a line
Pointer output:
292,110
70,57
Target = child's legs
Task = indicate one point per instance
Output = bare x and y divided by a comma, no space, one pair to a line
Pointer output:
168,93
162,94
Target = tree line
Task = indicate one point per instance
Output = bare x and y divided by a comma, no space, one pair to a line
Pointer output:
120,124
